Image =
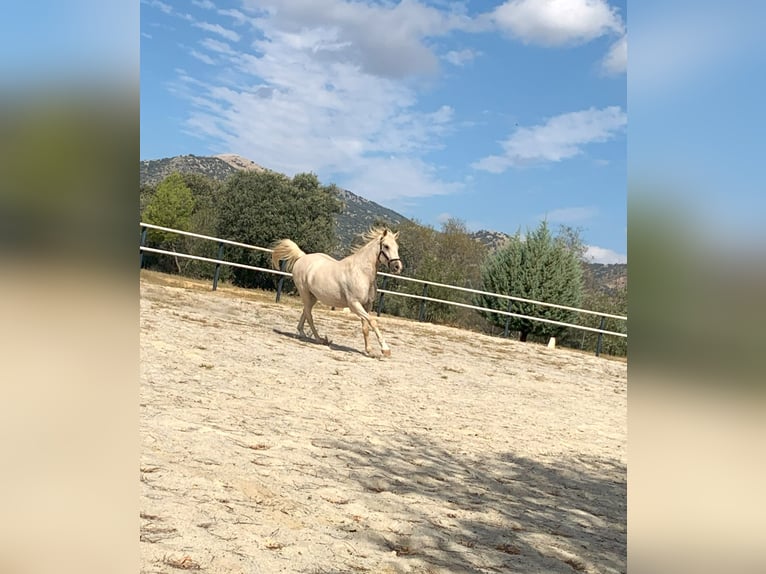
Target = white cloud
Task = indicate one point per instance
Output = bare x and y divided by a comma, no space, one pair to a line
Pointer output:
561,137
444,217
460,57
391,178
236,15
292,106
570,214
557,22
206,4
388,40
202,57
218,29
326,87
596,254
616,60
165,8
217,46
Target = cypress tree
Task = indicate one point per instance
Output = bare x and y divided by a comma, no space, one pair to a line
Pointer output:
540,267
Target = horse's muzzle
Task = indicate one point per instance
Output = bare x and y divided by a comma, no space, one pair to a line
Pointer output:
395,266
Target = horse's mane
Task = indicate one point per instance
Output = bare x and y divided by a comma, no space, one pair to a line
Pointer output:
372,234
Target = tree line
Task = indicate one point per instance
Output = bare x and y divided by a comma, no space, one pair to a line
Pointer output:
259,208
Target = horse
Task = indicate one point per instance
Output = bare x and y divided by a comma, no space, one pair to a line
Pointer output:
349,282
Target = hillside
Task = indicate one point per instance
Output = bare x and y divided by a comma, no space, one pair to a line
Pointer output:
492,239
358,214
155,170
609,277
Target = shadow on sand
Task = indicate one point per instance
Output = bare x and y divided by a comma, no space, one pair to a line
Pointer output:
331,345
508,514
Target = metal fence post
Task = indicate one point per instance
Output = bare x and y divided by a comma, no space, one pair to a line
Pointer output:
281,280
218,266
143,242
508,319
600,336
380,300
422,313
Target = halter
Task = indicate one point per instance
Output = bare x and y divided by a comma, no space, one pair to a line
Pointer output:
389,261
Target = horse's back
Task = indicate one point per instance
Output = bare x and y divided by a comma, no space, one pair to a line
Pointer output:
322,275
313,261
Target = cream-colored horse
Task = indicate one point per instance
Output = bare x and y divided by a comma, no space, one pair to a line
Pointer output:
349,282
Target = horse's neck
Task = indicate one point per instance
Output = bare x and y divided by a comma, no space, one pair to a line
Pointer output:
368,255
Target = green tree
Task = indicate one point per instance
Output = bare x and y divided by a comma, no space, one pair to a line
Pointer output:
171,206
260,208
450,256
417,249
458,259
540,267
204,220
607,299
145,193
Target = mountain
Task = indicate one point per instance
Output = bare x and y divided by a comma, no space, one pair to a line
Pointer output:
217,167
492,239
608,277
358,215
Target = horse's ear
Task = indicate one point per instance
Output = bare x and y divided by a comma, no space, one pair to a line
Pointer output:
385,232
396,235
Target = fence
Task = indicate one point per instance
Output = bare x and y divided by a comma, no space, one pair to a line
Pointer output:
382,290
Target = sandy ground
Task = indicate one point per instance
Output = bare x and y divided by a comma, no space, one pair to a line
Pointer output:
266,453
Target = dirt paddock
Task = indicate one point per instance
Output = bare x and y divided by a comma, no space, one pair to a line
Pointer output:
266,453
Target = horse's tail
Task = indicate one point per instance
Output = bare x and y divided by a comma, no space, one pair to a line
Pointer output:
286,250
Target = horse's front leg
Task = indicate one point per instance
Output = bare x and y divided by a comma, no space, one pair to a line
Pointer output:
359,309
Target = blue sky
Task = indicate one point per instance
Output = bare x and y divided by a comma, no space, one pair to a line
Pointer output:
499,114
696,88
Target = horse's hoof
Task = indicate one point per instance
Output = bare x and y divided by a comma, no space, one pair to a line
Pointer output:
386,352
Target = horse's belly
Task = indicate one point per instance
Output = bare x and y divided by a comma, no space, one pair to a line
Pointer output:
332,283
330,297
320,278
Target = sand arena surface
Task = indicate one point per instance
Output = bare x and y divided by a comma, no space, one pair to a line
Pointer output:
266,453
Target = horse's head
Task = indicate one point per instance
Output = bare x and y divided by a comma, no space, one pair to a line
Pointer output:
389,251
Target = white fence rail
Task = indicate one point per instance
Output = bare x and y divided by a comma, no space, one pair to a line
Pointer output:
208,237
211,260
499,296
219,261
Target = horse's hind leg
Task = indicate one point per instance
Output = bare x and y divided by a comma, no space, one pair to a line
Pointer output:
301,323
308,304
359,309
366,333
